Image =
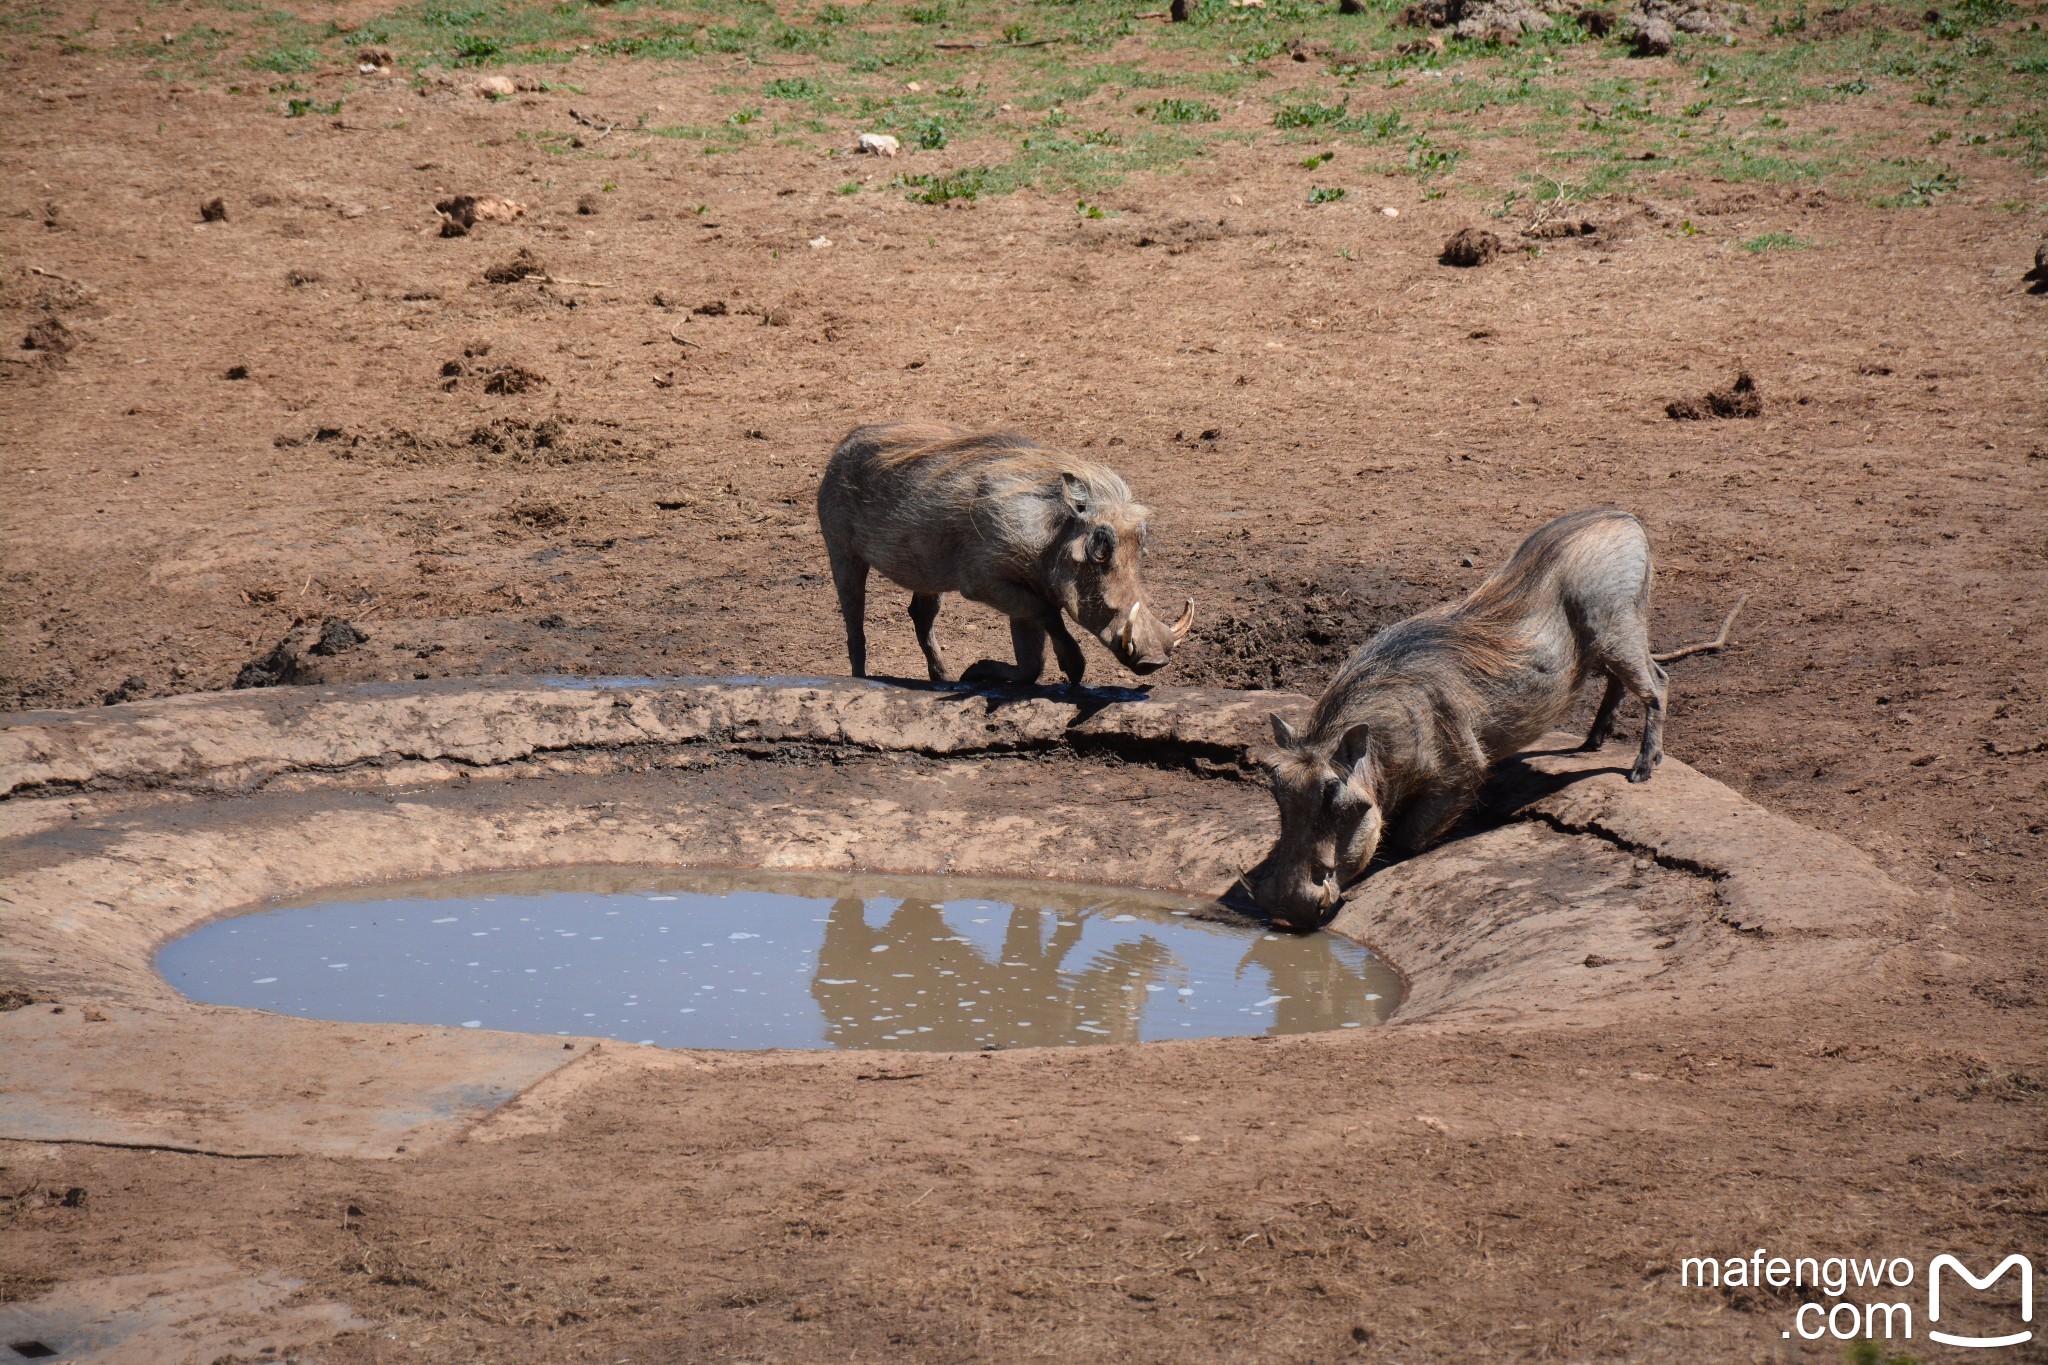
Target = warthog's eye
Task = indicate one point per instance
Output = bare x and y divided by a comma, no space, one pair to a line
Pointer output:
1101,544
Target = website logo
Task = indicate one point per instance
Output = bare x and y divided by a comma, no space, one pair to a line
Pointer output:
1947,1261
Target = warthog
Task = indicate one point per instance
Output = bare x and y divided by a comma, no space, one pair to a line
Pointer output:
1000,520
1398,744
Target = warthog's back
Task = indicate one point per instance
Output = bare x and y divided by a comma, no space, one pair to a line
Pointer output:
933,506
1583,562
1505,663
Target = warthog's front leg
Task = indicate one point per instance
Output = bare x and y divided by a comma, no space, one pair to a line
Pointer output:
1072,661
1029,617
924,610
1028,639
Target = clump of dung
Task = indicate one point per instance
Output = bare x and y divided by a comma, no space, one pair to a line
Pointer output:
1739,399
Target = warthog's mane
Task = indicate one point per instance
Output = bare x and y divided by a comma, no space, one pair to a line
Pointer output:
1020,485
1419,666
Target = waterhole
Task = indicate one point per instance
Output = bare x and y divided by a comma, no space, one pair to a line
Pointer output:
701,959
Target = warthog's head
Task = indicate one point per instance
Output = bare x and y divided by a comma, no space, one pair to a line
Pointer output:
1097,572
1329,826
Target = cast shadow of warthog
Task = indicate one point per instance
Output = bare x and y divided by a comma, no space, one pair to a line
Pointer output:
1088,702
1512,785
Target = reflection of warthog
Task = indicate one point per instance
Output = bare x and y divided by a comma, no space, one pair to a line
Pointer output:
1026,997
1320,993
1002,521
1402,737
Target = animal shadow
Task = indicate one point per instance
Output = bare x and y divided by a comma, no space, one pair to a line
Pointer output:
1512,786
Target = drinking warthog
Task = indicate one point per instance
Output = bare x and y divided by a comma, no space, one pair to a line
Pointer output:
1399,742
1000,520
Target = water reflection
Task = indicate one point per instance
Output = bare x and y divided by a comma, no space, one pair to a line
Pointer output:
695,958
1074,973
937,989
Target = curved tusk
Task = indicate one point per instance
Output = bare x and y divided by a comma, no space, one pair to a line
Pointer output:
1330,892
1186,622
1129,623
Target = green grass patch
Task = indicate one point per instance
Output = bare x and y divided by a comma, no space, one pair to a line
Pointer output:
1775,241
283,60
793,88
1185,111
1307,114
1764,108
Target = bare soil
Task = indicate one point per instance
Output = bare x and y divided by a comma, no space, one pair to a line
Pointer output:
613,476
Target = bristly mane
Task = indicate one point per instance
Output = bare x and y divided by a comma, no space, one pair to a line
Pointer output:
1437,652
1018,468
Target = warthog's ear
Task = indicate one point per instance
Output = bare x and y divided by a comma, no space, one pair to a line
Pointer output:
1074,490
1354,752
1283,733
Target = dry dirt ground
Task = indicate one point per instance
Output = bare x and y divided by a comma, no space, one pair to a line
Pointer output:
1333,430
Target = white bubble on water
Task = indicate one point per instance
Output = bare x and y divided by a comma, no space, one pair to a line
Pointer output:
472,1023
448,920
264,980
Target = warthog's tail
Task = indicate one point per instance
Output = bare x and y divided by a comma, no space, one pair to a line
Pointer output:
1705,646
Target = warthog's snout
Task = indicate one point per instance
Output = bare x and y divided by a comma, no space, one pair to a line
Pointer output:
1301,903
1141,641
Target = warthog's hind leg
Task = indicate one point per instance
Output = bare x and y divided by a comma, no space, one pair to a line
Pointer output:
850,578
1603,720
1646,680
924,610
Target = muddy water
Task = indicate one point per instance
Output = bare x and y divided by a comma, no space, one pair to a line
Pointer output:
685,958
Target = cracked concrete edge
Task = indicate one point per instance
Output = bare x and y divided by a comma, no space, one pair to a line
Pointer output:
1771,874
235,740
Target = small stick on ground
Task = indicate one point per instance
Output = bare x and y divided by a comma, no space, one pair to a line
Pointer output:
564,279
950,45
680,341
1705,646
53,275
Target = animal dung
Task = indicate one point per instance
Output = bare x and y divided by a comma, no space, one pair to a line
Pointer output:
513,379
1739,399
523,265
1561,227
1470,247
876,144
461,213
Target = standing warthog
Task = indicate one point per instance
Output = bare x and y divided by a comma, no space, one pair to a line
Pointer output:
1000,520
1400,741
